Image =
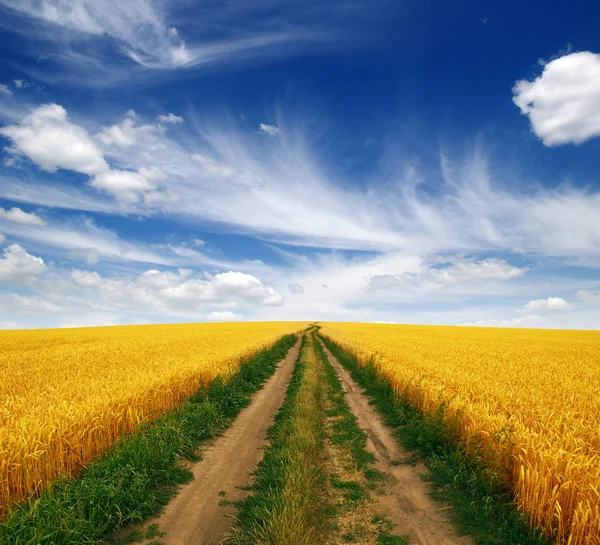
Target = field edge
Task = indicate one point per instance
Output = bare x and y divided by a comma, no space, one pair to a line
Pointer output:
482,506
140,473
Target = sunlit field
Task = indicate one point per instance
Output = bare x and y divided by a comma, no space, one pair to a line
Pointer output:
67,394
528,400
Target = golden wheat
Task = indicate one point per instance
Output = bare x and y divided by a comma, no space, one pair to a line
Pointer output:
66,395
530,399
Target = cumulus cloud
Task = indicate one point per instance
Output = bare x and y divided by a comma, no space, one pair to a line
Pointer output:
124,185
16,215
551,303
589,296
296,289
563,104
225,316
451,271
271,130
170,118
49,139
180,291
4,90
19,83
17,267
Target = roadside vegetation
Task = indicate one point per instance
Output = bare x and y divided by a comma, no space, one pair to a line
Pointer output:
137,477
313,485
482,503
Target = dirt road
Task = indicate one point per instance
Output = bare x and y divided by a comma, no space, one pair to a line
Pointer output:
406,501
197,515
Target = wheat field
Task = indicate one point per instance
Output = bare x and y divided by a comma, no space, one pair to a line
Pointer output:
67,394
528,399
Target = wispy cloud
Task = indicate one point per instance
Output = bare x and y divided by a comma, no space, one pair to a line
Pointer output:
529,320
284,190
271,130
94,39
454,245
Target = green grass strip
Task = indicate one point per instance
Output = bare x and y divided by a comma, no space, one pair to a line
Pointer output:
286,504
348,435
482,503
138,476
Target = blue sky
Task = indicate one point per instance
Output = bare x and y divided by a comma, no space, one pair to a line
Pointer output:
408,162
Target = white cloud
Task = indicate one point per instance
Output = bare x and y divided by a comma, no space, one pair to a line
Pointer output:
126,133
28,305
4,90
140,30
589,296
279,188
181,292
529,320
456,270
296,289
225,316
17,267
49,139
563,104
19,83
282,190
2,238
271,130
124,185
16,215
551,303
137,25
170,118
80,234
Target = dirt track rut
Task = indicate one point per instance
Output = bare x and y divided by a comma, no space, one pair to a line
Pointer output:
406,502
196,516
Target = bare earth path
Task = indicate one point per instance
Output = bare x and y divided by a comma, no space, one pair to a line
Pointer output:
406,501
194,516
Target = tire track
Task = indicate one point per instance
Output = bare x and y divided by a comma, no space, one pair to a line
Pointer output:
198,515
406,501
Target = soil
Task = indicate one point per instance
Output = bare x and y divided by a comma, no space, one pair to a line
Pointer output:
406,500
200,513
